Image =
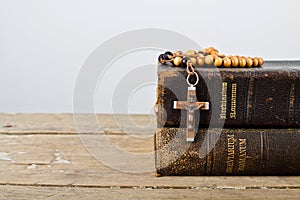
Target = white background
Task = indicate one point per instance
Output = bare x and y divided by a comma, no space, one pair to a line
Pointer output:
43,43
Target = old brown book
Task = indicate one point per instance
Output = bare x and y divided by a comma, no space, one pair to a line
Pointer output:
228,152
252,126
253,98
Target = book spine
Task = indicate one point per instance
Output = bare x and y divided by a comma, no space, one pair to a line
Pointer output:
257,98
228,152
296,105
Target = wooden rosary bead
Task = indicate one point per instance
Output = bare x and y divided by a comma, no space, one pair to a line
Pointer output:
190,53
201,55
200,61
218,61
214,52
209,59
234,61
213,49
255,62
221,55
226,62
242,62
249,62
214,56
205,50
178,53
177,61
260,61
208,50
194,61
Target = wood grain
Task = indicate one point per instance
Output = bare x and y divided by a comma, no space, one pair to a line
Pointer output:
22,192
43,156
73,123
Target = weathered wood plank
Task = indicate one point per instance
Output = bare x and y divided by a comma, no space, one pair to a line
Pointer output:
22,192
36,123
61,160
43,156
71,124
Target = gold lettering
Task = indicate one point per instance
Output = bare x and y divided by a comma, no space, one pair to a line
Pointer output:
224,101
233,101
243,154
230,153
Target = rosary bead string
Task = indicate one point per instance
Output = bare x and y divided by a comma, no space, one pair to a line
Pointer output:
208,56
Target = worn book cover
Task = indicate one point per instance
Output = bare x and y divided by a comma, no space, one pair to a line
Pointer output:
267,97
251,128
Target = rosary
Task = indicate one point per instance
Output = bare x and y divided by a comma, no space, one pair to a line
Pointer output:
203,58
208,57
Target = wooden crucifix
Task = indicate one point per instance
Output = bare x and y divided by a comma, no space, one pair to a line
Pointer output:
191,105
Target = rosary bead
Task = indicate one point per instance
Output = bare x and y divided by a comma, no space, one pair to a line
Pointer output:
201,55
221,55
178,53
208,50
260,61
255,62
177,61
214,52
226,62
167,55
200,61
218,61
234,61
194,61
209,60
184,61
214,49
190,53
160,58
242,62
214,56
249,62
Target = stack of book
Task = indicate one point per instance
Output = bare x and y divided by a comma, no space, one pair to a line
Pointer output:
251,128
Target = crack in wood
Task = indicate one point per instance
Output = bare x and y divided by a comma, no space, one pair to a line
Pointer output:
73,185
36,133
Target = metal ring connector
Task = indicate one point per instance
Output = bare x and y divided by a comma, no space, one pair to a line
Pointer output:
188,79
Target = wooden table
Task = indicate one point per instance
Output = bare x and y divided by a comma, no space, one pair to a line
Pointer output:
42,156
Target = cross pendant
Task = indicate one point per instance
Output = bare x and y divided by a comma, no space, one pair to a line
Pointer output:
191,105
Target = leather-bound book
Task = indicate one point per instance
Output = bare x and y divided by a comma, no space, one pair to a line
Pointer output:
267,97
252,126
228,152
